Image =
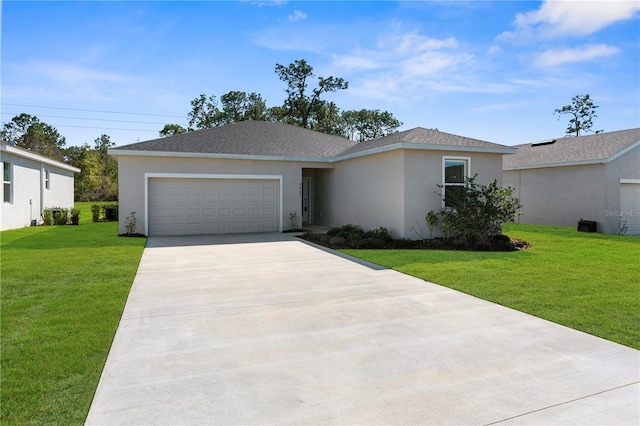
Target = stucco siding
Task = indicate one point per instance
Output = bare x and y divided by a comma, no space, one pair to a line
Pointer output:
627,166
366,191
29,195
423,173
560,196
132,172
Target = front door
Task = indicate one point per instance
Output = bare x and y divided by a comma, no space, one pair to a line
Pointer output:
305,199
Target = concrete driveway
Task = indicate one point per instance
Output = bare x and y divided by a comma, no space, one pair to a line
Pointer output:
266,329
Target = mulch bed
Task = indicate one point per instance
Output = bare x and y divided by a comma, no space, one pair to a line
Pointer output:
499,243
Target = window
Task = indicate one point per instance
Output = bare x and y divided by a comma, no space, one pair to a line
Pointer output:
47,179
456,169
7,180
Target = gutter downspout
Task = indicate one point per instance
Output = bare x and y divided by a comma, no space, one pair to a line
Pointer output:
41,191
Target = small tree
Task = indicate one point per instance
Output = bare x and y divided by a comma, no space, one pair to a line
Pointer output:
476,212
583,111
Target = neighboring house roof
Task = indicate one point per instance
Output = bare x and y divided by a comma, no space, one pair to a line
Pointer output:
568,151
11,149
267,140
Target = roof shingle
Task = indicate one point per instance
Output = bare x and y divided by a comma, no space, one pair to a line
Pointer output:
259,138
591,148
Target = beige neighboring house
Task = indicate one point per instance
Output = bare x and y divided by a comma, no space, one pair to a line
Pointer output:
31,183
256,176
594,178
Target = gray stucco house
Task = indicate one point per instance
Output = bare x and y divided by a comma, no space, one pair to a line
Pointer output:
594,178
254,176
31,183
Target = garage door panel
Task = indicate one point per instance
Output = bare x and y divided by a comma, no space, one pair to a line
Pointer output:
205,206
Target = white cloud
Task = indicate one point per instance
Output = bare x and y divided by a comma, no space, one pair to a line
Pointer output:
571,18
553,57
494,50
297,16
69,73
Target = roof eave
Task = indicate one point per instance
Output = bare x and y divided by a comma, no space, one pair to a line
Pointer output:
561,164
428,147
39,158
139,153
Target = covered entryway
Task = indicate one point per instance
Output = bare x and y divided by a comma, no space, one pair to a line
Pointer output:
629,215
186,206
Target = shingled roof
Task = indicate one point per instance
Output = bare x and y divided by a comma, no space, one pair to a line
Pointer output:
251,138
279,140
426,138
598,148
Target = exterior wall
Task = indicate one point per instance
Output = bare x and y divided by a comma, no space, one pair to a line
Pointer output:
131,177
365,191
423,172
394,189
627,166
560,196
29,196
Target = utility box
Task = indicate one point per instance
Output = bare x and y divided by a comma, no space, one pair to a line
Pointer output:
587,226
111,213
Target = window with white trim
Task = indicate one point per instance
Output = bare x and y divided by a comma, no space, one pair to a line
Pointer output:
7,182
454,172
47,179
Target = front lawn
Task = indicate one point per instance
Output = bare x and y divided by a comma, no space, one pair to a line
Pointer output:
63,292
589,282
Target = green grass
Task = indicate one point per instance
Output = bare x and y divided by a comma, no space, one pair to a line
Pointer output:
589,282
63,292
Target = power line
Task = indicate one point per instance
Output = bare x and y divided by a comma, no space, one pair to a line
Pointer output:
92,110
103,128
94,119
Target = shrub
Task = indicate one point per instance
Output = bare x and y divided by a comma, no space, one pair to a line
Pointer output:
381,234
97,212
75,216
475,213
348,232
130,224
61,217
48,217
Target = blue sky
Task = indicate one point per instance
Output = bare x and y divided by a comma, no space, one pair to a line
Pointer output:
489,70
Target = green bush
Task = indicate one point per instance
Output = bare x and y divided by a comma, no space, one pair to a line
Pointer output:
356,233
48,217
97,212
75,216
61,217
475,213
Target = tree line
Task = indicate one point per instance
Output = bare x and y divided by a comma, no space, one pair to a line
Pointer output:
98,177
303,107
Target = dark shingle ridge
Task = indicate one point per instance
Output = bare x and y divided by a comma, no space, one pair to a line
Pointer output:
597,147
253,138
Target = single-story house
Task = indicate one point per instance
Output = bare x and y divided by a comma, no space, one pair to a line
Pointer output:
595,178
31,183
257,176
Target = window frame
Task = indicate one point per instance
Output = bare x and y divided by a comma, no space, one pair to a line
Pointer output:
7,193
467,173
47,179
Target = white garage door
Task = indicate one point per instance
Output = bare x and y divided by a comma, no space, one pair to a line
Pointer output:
179,206
630,207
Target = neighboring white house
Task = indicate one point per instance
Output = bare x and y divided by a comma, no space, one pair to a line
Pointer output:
256,176
31,183
594,178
